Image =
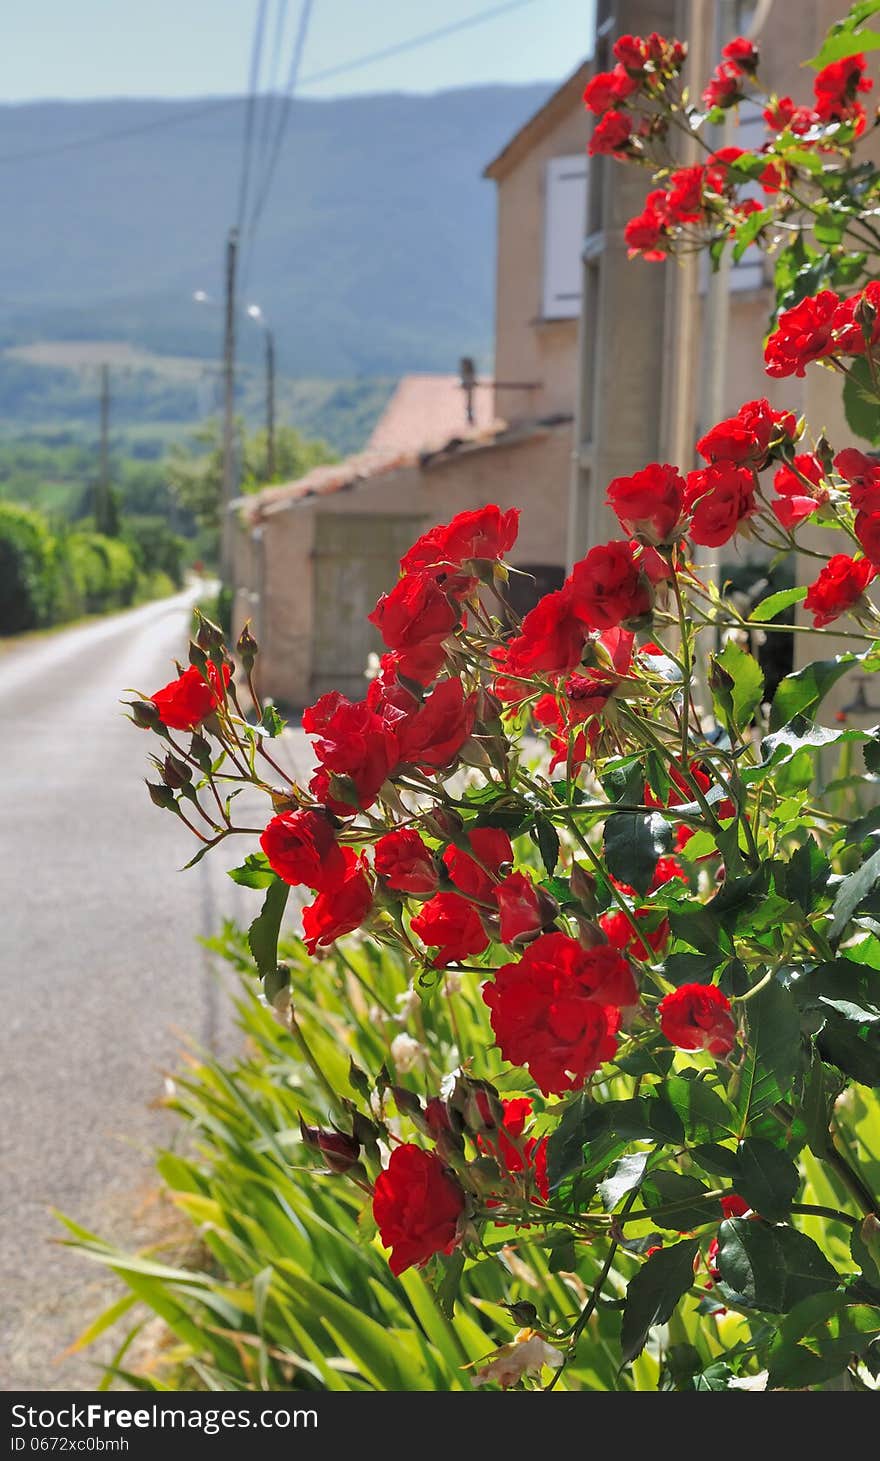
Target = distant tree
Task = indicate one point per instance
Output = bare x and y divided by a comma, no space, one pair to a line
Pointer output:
195,467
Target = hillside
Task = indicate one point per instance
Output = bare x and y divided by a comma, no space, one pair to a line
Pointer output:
375,254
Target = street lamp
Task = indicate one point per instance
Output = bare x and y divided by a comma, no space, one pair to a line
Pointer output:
256,314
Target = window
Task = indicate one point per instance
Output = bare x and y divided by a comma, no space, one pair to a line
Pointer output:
565,210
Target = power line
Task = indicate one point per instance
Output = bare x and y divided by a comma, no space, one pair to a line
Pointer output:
299,43
272,83
253,85
422,40
194,113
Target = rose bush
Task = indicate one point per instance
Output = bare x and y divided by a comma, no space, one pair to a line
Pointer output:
674,937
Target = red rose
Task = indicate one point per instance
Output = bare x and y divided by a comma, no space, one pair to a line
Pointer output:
631,51
863,475
341,908
774,177
417,1205
405,863
607,89
513,1150
519,907
546,1011
798,499
650,504
583,703
668,867
609,587
188,700
837,87
551,640
353,741
838,588
684,200
741,53
749,435
620,934
433,735
779,113
486,533
611,135
697,1017
451,925
477,875
849,334
301,848
416,612
719,497
719,178
724,88
421,664
646,233
803,333
733,1206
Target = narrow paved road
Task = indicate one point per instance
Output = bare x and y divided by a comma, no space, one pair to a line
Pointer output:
100,972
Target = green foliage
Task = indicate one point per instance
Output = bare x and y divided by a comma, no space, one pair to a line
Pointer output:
28,570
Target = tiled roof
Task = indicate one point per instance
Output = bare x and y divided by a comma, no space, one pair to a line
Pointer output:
428,409
376,462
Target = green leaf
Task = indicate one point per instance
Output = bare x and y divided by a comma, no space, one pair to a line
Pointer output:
747,679
604,1129
623,781
818,1339
803,691
772,1055
845,40
775,604
673,1201
822,1086
271,721
690,968
803,878
634,843
697,926
852,891
254,872
770,1268
625,1176
263,932
654,1293
767,1179
547,838
860,401
800,734
704,1114
747,232
719,1160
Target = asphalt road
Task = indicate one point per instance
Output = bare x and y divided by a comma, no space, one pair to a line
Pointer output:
100,972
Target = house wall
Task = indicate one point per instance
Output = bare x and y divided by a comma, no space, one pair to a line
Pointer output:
527,348
305,639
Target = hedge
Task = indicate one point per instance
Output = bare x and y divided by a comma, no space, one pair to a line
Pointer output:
46,577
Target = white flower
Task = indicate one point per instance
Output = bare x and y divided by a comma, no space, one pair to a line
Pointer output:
749,1382
407,1004
407,1053
527,1355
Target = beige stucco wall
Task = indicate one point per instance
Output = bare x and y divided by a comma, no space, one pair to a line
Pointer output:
532,475
528,348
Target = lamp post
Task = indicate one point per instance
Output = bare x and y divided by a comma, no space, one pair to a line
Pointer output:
256,314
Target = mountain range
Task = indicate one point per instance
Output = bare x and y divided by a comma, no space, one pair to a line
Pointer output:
374,255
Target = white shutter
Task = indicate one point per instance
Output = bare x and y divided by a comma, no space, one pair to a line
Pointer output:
565,213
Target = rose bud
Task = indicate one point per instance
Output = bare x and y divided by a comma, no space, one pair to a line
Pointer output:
200,750
478,1103
408,1104
339,1151
175,773
162,796
247,648
145,715
444,824
210,635
583,887
438,1117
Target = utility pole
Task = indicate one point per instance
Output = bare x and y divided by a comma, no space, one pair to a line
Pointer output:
270,405
102,490
230,476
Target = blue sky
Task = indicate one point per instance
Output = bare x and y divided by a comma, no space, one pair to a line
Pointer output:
182,48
